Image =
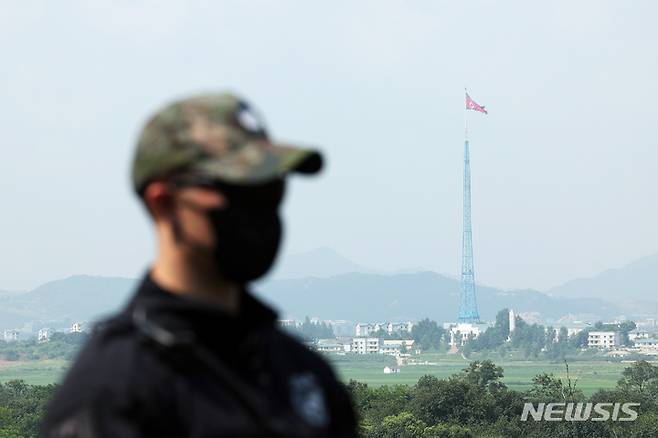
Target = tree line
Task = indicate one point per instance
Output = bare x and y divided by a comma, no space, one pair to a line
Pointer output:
312,331
536,341
476,403
22,407
60,346
472,403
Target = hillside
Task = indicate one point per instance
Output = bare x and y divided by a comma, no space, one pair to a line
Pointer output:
63,301
363,297
634,283
355,297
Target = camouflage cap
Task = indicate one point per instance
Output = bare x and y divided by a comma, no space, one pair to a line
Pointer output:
214,136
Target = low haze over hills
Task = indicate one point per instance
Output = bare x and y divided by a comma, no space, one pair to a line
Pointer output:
365,297
635,281
320,262
64,301
337,288
354,296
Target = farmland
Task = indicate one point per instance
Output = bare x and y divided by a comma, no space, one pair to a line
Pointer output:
588,375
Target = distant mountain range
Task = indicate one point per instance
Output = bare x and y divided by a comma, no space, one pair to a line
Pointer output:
635,281
61,302
634,287
412,296
320,262
336,288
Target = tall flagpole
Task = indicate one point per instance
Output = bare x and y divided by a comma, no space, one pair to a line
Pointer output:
468,312
465,119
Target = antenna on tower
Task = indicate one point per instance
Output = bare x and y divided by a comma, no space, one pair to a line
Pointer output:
468,311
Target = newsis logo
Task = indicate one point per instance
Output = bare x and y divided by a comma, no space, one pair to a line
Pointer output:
580,411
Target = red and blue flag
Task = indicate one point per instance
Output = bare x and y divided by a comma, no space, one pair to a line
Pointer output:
472,105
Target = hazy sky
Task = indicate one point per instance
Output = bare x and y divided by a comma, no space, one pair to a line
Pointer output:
565,167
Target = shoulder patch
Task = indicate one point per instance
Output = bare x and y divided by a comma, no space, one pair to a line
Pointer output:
308,399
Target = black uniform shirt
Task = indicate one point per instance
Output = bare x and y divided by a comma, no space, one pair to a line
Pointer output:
172,366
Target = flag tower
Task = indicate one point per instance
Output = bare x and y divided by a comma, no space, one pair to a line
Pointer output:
468,309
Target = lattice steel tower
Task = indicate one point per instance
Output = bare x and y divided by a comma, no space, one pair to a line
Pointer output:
468,309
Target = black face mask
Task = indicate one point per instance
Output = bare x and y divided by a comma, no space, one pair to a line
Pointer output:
248,231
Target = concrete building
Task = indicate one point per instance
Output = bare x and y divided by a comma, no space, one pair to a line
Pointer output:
11,335
634,335
600,339
397,327
573,331
76,327
391,350
647,346
512,320
367,329
512,323
43,335
408,343
395,347
345,342
290,323
461,332
365,345
329,346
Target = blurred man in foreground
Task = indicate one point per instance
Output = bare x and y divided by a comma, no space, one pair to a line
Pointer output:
194,353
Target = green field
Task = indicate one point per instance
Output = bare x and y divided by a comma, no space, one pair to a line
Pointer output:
589,375
38,372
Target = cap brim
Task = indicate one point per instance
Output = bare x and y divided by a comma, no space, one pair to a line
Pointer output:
261,161
299,160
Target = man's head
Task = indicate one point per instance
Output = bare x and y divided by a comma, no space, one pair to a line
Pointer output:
213,182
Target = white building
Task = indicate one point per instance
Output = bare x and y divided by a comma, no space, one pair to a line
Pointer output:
329,346
512,321
367,329
461,332
391,350
345,342
76,327
391,370
288,323
600,339
396,327
43,335
365,345
573,331
408,343
634,335
647,346
11,335
394,347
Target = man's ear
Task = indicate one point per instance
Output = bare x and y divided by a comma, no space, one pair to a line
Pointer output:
158,199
